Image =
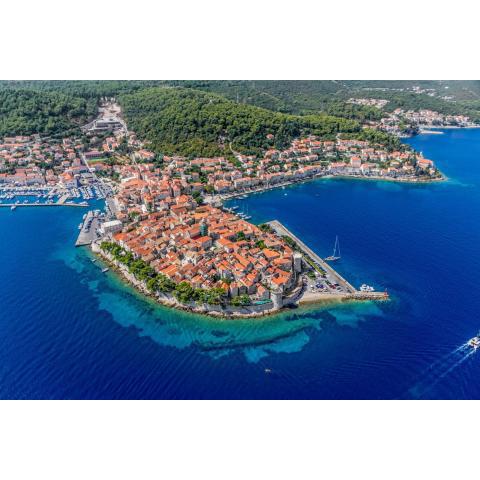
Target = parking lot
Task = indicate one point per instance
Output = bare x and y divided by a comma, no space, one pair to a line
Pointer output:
316,283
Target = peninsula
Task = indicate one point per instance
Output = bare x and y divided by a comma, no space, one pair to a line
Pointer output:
173,239
165,227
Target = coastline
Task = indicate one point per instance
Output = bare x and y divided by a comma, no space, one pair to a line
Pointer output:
423,180
307,298
387,179
448,127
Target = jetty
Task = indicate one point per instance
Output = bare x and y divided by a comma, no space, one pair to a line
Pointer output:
349,290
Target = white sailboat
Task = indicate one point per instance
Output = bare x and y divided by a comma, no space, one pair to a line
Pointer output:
336,251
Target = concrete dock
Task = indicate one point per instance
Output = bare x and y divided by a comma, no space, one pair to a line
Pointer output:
88,232
351,291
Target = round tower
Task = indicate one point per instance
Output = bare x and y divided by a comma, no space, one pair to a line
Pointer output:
277,298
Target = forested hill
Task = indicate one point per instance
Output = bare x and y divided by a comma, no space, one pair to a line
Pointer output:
54,106
25,111
298,97
330,96
195,123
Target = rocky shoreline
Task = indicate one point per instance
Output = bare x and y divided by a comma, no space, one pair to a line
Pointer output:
215,311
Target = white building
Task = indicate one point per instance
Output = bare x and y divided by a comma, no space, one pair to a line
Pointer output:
111,227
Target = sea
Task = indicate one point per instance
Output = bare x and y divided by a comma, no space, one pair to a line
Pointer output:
69,331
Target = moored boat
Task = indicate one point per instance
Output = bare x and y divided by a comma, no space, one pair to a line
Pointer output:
336,252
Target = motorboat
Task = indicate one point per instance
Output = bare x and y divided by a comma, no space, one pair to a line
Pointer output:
474,342
366,288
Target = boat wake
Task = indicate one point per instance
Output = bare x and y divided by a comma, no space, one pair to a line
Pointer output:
439,369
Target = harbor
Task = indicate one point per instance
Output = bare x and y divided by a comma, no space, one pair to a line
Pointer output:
33,196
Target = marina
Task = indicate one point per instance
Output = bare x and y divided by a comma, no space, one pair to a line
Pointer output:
21,196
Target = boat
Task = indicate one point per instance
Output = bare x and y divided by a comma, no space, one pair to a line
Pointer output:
268,370
336,252
13,207
80,225
94,260
474,342
366,288
104,270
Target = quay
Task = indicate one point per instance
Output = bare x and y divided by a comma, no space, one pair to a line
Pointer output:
88,232
349,290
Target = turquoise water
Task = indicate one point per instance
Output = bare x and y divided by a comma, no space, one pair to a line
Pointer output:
69,331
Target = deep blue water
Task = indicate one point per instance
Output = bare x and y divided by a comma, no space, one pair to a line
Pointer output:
68,331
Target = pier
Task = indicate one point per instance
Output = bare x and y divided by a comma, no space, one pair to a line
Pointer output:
88,232
351,291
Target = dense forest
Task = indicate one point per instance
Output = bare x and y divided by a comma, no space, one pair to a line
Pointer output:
25,111
298,97
330,96
55,106
88,89
196,123
203,117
